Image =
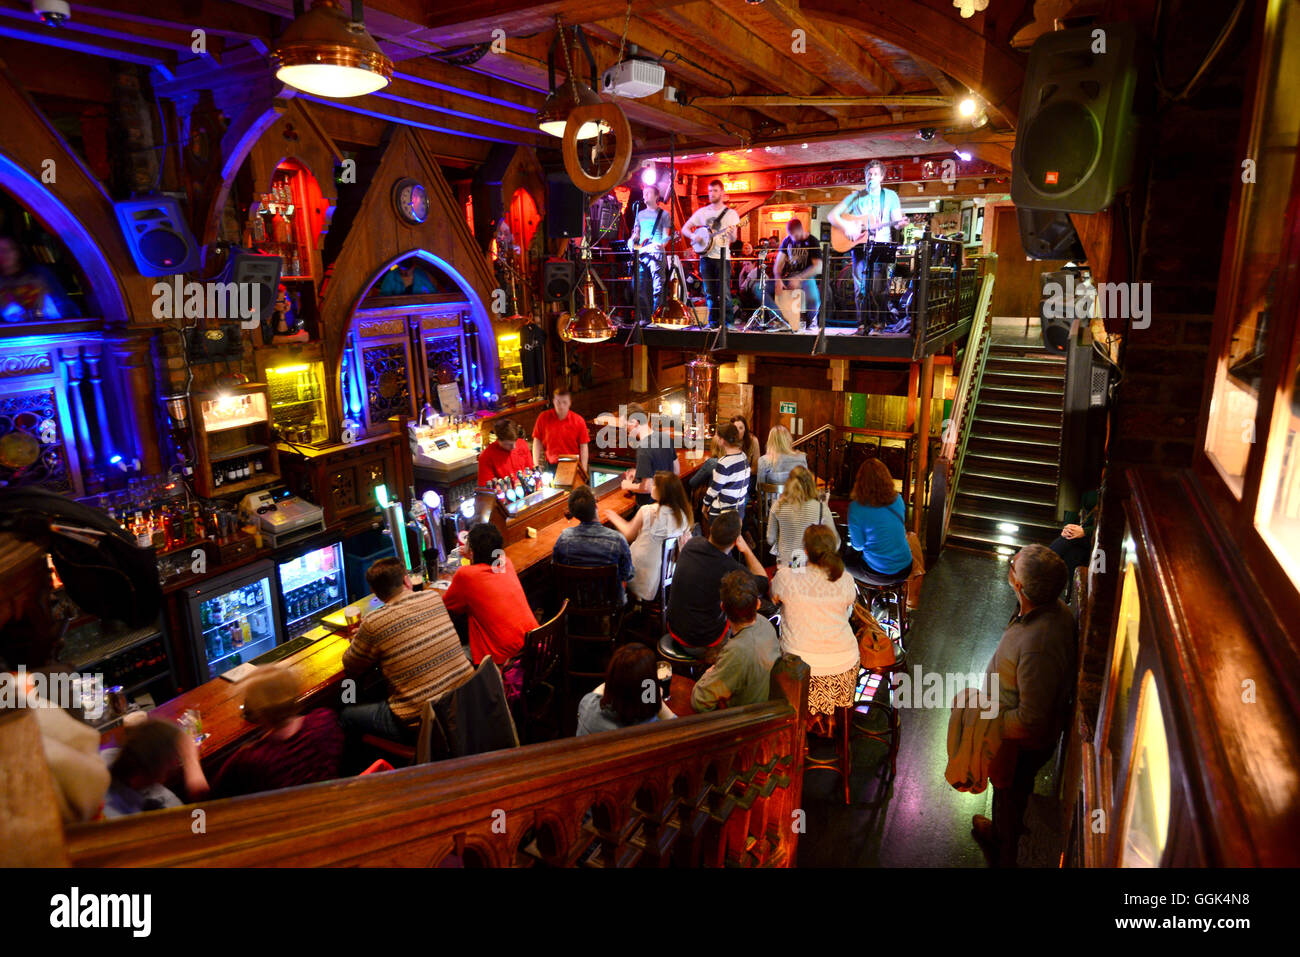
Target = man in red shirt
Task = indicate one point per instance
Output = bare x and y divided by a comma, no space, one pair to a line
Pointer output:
489,591
504,457
558,431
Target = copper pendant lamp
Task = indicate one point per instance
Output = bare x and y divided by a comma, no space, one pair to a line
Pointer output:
327,53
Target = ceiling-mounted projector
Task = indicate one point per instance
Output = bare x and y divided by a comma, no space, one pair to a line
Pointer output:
632,78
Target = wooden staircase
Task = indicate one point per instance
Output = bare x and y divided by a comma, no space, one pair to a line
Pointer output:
1007,489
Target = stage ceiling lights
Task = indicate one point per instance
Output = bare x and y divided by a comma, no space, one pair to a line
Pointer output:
327,53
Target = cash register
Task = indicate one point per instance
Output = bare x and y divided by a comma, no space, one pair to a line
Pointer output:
280,516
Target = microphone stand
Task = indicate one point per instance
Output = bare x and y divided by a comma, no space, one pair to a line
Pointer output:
819,346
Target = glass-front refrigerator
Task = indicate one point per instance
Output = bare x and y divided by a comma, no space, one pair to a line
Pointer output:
233,618
312,585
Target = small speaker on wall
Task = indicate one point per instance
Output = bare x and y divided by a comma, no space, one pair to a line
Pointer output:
564,206
558,279
263,270
156,233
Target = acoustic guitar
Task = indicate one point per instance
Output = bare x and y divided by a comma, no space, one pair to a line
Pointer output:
840,241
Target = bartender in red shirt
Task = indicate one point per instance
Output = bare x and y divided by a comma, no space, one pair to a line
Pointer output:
504,457
560,431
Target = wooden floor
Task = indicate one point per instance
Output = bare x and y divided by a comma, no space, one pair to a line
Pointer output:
921,821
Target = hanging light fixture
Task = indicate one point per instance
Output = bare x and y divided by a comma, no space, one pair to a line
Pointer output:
591,325
329,54
672,312
568,96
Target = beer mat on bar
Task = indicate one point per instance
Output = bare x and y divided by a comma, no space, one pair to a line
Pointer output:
239,672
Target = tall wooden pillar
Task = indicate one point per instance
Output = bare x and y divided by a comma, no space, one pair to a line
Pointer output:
130,352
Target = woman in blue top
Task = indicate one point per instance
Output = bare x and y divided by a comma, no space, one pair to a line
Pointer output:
877,526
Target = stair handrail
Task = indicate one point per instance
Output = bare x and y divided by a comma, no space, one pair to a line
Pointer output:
669,790
956,433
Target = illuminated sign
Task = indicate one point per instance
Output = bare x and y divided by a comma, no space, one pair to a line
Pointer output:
735,186
781,215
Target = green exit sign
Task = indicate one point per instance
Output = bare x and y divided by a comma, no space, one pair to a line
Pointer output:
788,408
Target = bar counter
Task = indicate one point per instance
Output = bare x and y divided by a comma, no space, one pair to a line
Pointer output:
319,665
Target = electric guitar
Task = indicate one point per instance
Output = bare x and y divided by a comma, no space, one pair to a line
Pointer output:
703,246
840,241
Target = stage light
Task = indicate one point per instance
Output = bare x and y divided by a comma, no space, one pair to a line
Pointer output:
963,155
649,177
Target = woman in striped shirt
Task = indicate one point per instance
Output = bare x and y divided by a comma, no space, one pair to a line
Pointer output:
729,485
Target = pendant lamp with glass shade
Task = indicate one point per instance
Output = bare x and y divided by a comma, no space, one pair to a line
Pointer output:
592,324
327,53
566,97
672,312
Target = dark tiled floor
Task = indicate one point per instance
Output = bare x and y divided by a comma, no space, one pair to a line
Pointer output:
921,821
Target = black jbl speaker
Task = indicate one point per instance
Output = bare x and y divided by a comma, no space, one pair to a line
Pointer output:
558,279
1074,147
156,233
264,271
564,205
1046,234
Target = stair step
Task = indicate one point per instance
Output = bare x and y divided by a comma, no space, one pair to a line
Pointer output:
1039,418
992,499
1022,398
1023,444
1026,469
977,541
1043,378
993,475
1026,489
996,529
1016,423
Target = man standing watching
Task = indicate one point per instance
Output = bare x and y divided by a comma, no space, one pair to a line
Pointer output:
722,221
1035,668
875,211
561,431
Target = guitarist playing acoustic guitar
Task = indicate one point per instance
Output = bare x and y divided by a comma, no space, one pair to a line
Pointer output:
864,219
708,229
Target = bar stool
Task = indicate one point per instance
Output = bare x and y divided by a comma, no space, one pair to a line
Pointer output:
875,694
841,760
689,665
891,590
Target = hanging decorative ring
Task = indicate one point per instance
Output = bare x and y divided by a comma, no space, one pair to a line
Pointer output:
611,115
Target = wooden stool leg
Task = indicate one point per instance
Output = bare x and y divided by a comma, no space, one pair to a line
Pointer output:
846,745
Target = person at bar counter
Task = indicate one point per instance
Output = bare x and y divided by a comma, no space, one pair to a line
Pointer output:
561,431
799,267
293,748
1034,665
413,642
654,450
748,441
506,456
591,544
873,211
668,516
695,617
729,484
621,700
151,755
743,672
488,590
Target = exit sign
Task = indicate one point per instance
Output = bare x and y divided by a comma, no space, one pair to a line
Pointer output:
788,408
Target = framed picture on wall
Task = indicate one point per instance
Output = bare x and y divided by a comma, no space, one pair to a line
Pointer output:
979,227
966,214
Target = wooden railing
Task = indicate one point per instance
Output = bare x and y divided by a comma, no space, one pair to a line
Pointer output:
956,430
707,790
819,446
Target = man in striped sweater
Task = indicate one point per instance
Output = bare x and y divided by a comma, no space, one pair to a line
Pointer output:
414,643
729,486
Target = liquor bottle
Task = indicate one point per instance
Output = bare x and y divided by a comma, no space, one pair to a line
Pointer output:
246,630
236,635
143,538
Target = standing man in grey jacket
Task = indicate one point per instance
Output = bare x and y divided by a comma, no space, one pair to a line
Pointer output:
1036,668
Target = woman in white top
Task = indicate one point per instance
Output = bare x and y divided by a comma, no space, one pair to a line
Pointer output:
668,516
780,458
816,605
799,507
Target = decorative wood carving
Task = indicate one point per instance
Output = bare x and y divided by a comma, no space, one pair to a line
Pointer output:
611,114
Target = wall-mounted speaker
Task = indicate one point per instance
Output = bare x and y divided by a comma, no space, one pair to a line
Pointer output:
558,279
156,233
1075,141
564,205
1046,234
265,272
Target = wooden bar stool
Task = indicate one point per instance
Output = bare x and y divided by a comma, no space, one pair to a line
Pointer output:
841,760
892,594
875,694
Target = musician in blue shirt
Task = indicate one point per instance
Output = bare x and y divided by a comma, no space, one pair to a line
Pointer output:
872,212
649,237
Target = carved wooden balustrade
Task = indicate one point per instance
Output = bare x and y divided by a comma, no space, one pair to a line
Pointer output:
708,790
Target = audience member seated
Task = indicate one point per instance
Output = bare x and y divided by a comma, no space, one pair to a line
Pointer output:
415,646
589,543
748,442
816,607
695,617
151,754
1074,544
629,695
652,525
776,463
292,749
743,672
799,507
729,483
488,590
703,475
878,543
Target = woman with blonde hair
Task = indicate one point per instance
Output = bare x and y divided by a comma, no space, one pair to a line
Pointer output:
799,507
779,458
668,516
816,604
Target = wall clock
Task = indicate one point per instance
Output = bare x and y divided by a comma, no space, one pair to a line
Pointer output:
411,200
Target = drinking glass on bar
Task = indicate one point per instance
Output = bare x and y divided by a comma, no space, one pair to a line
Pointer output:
665,679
